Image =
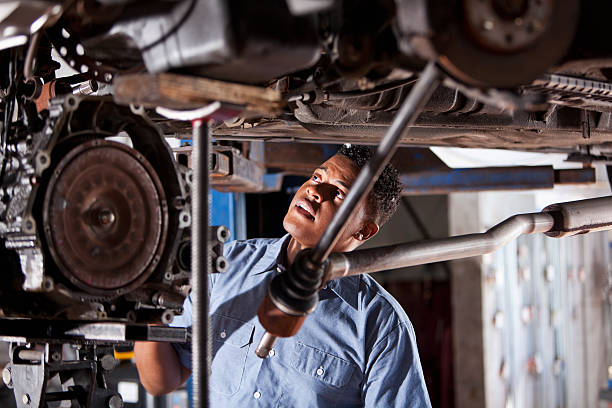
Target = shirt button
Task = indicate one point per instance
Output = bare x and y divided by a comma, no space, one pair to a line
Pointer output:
271,353
320,371
223,334
257,395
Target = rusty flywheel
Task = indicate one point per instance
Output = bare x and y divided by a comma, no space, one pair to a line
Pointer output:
105,217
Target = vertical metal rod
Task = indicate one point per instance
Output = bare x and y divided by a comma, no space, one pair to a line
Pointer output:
200,263
410,110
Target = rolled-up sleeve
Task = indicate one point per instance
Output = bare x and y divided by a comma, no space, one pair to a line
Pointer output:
183,350
394,377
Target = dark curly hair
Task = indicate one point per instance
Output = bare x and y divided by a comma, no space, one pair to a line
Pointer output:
385,195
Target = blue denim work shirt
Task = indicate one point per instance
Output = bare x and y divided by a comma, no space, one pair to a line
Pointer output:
357,348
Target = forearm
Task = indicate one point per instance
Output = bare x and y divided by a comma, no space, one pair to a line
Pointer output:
159,367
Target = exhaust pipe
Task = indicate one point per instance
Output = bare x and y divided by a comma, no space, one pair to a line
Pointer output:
556,220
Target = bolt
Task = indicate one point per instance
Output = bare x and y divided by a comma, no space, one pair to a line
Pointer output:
56,356
106,217
48,283
167,317
107,77
115,402
488,25
108,362
26,399
7,377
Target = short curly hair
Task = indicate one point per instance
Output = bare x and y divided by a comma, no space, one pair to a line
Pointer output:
385,195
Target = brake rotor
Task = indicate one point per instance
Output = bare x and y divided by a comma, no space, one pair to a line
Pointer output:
502,43
105,217
507,26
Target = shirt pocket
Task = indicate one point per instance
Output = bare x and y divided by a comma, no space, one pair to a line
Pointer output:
324,367
231,339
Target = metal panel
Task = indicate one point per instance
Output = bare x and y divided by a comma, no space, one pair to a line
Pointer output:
544,324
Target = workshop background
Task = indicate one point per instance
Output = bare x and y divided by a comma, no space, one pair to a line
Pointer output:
526,326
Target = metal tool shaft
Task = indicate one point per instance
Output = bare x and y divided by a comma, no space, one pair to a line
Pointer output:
406,116
200,263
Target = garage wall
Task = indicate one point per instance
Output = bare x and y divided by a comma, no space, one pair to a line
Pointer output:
522,327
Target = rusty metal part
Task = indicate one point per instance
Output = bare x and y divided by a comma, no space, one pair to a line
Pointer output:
580,217
507,26
49,91
230,170
105,217
472,49
187,92
575,176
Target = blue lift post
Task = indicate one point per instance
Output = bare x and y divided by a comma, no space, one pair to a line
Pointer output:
229,209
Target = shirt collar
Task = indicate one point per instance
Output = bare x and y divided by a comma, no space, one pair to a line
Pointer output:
272,256
346,288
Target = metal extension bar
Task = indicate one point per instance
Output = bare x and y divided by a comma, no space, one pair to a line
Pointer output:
405,117
556,220
428,81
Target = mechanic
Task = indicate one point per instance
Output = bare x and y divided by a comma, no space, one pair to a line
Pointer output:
357,348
